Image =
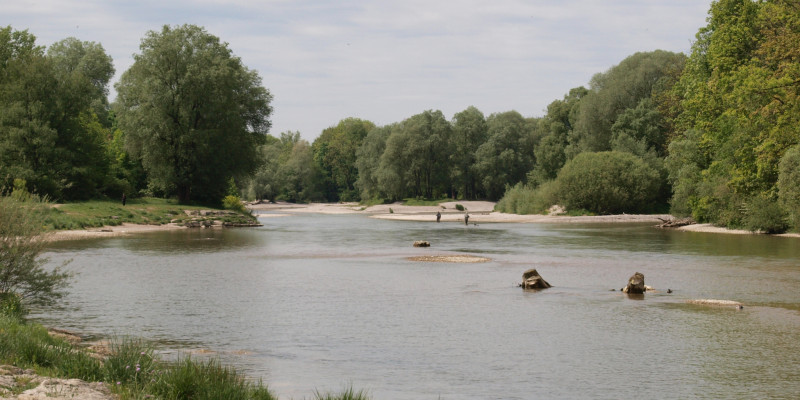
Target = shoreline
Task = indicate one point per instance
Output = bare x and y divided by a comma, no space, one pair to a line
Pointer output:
479,212
109,231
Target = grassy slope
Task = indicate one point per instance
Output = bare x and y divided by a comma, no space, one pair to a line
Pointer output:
97,213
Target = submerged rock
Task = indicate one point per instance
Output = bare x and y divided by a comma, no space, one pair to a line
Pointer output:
532,280
635,284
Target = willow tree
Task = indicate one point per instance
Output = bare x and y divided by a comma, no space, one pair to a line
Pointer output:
192,112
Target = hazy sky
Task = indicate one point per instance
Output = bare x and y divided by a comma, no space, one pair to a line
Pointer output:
387,60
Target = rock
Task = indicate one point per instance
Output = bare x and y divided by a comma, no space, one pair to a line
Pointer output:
532,280
635,284
422,243
67,389
716,303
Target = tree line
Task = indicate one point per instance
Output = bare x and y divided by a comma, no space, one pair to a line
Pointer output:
712,134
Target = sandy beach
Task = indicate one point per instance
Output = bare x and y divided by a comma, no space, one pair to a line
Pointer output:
110,231
479,212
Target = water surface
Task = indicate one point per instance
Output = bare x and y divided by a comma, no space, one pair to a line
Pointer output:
321,301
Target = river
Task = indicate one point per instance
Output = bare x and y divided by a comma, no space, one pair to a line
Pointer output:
313,301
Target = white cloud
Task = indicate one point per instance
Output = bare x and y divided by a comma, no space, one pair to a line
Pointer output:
385,61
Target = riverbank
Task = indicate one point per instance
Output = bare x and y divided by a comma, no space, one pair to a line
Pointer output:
479,212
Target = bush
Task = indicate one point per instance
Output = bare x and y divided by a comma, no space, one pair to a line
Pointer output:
22,271
765,215
608,182
522,199
789,184
233,203
459,207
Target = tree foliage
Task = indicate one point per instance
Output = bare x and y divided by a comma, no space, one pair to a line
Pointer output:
335,154
739,93
53,115
608,183
192,112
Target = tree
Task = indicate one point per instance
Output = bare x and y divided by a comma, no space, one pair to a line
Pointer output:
335,154
50,132
639,76
368,159
507,156
740,92
414,162
192,112
469,133
23,277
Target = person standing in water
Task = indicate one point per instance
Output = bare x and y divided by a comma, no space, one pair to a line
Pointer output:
438,216
466,218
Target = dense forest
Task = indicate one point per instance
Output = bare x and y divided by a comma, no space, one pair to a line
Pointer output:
713,134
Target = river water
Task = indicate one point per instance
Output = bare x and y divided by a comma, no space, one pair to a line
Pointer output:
322,302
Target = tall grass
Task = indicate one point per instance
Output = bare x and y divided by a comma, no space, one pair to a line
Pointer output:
522,199
30,346
347,394
132,370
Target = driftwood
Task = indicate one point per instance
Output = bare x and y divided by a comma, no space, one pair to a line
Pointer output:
675,223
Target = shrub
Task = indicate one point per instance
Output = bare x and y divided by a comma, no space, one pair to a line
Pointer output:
22,271
789,184
765,215
459,207
523,199
233,203
607,183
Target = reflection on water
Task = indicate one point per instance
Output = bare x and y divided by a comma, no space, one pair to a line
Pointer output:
317,301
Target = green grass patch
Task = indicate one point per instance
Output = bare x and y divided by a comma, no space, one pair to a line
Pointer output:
424,202
373,202
148,210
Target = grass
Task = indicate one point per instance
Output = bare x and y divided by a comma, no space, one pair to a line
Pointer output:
132,371
151,211
424,202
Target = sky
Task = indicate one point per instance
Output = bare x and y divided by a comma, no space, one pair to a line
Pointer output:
387,60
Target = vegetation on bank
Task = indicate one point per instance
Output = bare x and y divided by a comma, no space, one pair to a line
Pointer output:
131,370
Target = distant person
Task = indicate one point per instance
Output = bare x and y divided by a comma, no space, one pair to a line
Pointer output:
466,219
124,199
438,216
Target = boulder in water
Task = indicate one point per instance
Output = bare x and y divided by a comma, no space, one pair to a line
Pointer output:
422,243
635,284
532,280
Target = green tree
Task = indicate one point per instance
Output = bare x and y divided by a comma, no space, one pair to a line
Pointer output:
469,133
557,124
192,112
624,86
789,184
23,276
414,162
507,156
50,132
368,161
335,154
739,92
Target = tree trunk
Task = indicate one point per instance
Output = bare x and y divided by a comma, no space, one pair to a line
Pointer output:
184,192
